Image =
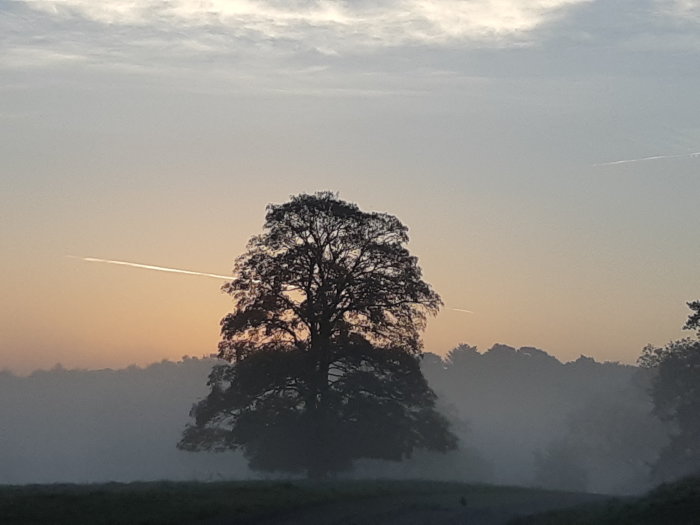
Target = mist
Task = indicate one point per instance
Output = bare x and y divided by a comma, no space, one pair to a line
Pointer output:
83,426
522,417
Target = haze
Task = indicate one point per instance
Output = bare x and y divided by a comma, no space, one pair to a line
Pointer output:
156,133
522,417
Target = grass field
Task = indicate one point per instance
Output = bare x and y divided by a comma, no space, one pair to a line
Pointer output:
339,503
265,503
671,504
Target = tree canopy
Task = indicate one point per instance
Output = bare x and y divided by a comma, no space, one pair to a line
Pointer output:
323,345
693,322
676,395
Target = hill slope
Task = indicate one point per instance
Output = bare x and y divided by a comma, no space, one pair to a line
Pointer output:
224,503
677,503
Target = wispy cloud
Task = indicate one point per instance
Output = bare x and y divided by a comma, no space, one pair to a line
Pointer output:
249,44
33,57
151,267
646,159
333,22
685,9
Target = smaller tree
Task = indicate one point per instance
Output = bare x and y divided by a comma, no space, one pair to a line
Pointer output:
561,466
675,392
609,445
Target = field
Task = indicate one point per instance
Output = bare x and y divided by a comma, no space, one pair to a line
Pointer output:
267,503
675,503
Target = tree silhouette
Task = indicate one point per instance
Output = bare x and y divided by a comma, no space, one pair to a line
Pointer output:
323,345
676,395
693,322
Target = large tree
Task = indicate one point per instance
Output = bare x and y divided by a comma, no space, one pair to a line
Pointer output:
323,345
676,395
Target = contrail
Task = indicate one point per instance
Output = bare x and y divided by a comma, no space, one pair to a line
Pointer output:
151,267
186,272
645,159
462,310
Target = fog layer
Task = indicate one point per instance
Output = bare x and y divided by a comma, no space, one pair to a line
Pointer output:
522,416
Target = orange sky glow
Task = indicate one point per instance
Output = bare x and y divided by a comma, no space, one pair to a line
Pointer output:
546,164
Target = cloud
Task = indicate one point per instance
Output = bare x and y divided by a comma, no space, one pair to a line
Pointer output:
683,9
341,47
327,24
32,57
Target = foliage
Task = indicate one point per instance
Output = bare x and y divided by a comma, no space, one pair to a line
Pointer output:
676,395
609,445
323,345
561,466
582,422
693,322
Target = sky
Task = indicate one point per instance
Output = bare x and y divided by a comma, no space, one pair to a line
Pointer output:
156,132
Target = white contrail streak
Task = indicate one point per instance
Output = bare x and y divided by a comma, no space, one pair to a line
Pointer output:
186,272
462,310
645,159
151,267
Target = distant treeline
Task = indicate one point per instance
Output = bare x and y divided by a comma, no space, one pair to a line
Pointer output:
522,416
581,425
104,425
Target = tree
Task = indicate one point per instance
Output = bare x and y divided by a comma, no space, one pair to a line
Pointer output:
608,445
323,345
693,322
675,392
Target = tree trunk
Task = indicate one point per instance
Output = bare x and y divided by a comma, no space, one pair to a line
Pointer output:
320,453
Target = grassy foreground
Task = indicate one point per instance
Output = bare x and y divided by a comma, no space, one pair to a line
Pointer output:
261,502
673,503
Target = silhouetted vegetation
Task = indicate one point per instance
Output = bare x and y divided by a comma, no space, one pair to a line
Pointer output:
507,406
85,426
675,392
581,425
522,417
693,322
323,345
